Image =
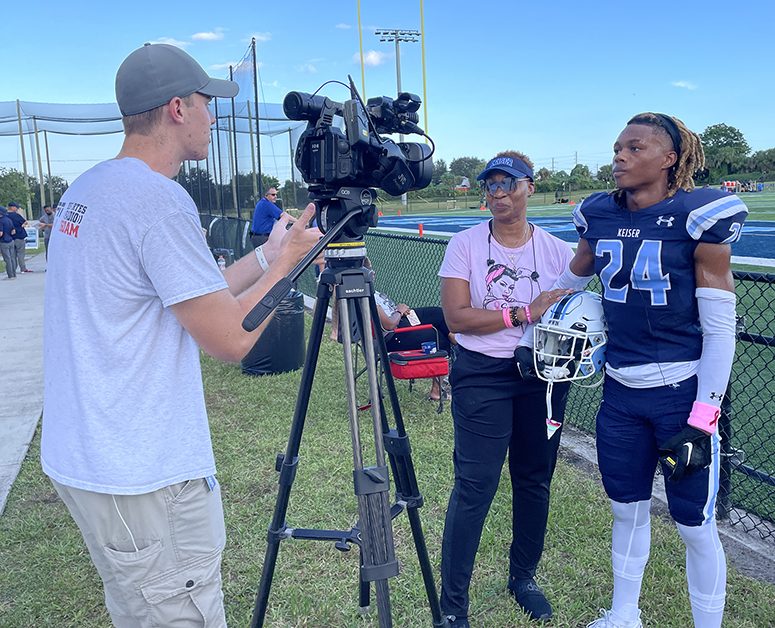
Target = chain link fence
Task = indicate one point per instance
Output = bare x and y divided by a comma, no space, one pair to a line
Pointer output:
406,269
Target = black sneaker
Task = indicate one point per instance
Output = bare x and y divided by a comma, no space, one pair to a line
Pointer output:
457,622
531,599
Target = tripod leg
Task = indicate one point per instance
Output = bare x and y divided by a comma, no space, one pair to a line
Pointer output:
407,489
364,592
287,462
372,486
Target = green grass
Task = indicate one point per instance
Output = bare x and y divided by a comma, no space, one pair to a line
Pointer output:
46,578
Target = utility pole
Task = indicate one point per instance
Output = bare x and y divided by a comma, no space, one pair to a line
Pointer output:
398,35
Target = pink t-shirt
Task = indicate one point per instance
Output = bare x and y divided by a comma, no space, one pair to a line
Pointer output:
516,277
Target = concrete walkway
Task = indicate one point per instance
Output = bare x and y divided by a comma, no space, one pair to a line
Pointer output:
21,336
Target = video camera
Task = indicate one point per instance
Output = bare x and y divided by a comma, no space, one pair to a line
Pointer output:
341,166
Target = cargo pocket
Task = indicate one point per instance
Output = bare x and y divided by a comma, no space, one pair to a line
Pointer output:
133,566
189,595
124,570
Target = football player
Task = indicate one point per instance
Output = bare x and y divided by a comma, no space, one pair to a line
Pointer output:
662,252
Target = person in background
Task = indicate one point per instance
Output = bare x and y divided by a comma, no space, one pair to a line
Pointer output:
6,243
19,236
393,316
265,215
662,252
125,437
495,281
45,222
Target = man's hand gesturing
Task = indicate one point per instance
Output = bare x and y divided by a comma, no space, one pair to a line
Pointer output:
288,246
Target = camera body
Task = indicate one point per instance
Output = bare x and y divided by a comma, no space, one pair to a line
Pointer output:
339,165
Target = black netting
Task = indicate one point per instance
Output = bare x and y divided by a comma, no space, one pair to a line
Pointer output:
247,140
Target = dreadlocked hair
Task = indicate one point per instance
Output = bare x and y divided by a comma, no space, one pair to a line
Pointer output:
691,157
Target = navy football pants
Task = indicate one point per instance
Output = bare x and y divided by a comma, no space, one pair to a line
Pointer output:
631,425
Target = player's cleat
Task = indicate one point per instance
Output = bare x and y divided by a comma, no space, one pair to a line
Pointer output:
607,620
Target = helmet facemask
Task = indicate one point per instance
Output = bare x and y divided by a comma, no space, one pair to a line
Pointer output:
569,344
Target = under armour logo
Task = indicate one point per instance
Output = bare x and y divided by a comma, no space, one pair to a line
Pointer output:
661,221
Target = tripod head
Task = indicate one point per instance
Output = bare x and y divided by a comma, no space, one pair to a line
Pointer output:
344,215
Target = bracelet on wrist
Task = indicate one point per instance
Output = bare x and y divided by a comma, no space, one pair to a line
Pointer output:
506,313
514,313
528,318
262,258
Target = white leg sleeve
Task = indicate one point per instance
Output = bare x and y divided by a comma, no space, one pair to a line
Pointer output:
630,546
706,573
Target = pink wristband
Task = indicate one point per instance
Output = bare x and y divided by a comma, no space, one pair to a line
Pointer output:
704,417
527,315
507,318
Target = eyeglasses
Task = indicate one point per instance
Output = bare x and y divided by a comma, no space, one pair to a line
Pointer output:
507,184
271,194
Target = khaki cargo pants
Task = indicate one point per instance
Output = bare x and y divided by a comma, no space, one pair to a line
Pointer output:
158,554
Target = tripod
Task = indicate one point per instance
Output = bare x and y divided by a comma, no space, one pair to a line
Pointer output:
352,284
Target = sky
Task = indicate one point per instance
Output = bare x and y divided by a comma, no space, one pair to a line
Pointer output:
555,80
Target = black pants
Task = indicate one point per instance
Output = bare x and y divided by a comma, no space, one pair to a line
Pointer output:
258,239
413,340
494,412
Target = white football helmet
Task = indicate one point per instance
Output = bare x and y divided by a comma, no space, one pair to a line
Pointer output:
570,339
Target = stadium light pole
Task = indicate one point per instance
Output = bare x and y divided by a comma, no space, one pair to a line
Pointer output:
398,35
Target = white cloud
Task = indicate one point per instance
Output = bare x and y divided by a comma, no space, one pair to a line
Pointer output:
343,27
684,85
307,68
261,36
214,35
370,57
171,41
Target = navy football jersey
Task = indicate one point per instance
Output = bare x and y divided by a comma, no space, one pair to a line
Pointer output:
645,261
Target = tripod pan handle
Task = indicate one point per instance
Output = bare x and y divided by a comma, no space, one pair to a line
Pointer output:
264,307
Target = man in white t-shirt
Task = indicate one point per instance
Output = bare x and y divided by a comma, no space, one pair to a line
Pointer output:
125,437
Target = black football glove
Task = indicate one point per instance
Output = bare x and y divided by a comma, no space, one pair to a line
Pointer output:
687,452
523,357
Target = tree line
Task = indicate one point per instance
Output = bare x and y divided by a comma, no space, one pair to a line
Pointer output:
727,156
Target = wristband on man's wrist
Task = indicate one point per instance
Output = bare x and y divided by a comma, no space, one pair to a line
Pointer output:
262,258
506,313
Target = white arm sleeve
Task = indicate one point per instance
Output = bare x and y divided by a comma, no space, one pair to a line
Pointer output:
569,280
717,318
